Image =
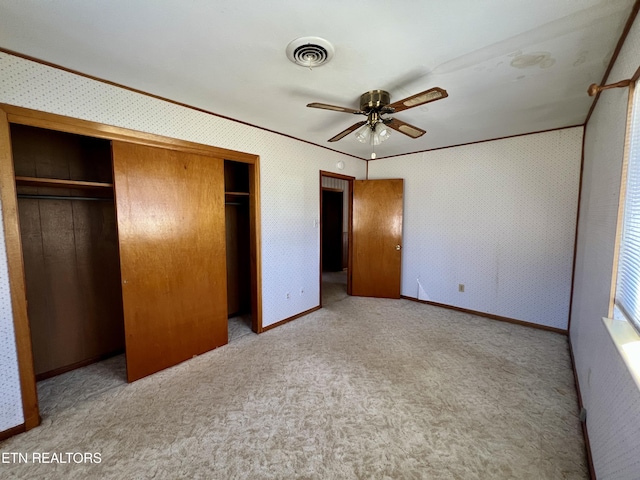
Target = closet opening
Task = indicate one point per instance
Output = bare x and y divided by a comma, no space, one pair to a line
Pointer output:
335,236
238,235
64,187
91,214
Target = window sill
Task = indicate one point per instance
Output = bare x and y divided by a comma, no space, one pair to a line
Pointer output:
627,342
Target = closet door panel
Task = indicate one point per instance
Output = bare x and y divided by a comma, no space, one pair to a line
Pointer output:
171,229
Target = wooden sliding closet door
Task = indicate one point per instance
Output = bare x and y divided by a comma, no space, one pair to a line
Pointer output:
171,229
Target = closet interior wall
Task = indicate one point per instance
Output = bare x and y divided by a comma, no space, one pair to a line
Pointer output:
237,219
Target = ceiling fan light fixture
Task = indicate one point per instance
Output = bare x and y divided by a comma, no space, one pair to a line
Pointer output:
364,134
373,135
375,139
382,131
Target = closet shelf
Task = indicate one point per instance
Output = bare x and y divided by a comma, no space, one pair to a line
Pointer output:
55,182
246,194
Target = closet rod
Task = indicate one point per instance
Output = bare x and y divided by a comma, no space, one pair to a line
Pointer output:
234,203
63,197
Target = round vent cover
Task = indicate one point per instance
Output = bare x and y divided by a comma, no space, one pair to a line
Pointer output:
310,51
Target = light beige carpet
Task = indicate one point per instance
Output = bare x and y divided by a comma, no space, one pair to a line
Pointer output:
239,327
334,287
364,388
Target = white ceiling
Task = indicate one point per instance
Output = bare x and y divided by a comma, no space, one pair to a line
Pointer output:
228,57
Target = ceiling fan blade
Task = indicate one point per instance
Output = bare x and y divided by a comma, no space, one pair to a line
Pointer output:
333,107
402,127
346,132
421,98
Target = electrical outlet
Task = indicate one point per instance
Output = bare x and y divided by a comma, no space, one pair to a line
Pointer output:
288,295
461,287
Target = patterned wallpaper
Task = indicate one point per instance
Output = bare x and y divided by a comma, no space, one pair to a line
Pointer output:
609,393
289,176
498,217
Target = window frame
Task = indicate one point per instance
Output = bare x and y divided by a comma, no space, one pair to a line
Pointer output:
616,310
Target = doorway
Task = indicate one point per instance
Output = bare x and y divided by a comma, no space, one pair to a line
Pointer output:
66,212
335,236
332,229
238,234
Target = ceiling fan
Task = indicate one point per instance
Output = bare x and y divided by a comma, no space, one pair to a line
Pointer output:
374,105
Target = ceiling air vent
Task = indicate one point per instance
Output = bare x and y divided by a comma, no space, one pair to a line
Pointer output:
310,51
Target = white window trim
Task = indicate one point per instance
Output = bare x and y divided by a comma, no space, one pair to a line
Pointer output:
621,200
622,332
627,341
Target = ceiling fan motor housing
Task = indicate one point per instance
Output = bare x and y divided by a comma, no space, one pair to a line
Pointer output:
374,99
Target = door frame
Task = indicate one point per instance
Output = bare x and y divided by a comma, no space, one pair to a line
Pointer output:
349,192
10,114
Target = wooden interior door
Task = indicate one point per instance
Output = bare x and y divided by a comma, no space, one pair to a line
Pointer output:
171,230
377,238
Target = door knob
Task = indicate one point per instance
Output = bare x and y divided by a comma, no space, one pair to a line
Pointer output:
398,247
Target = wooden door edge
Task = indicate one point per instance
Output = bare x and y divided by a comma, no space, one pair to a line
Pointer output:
255,245
17,287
